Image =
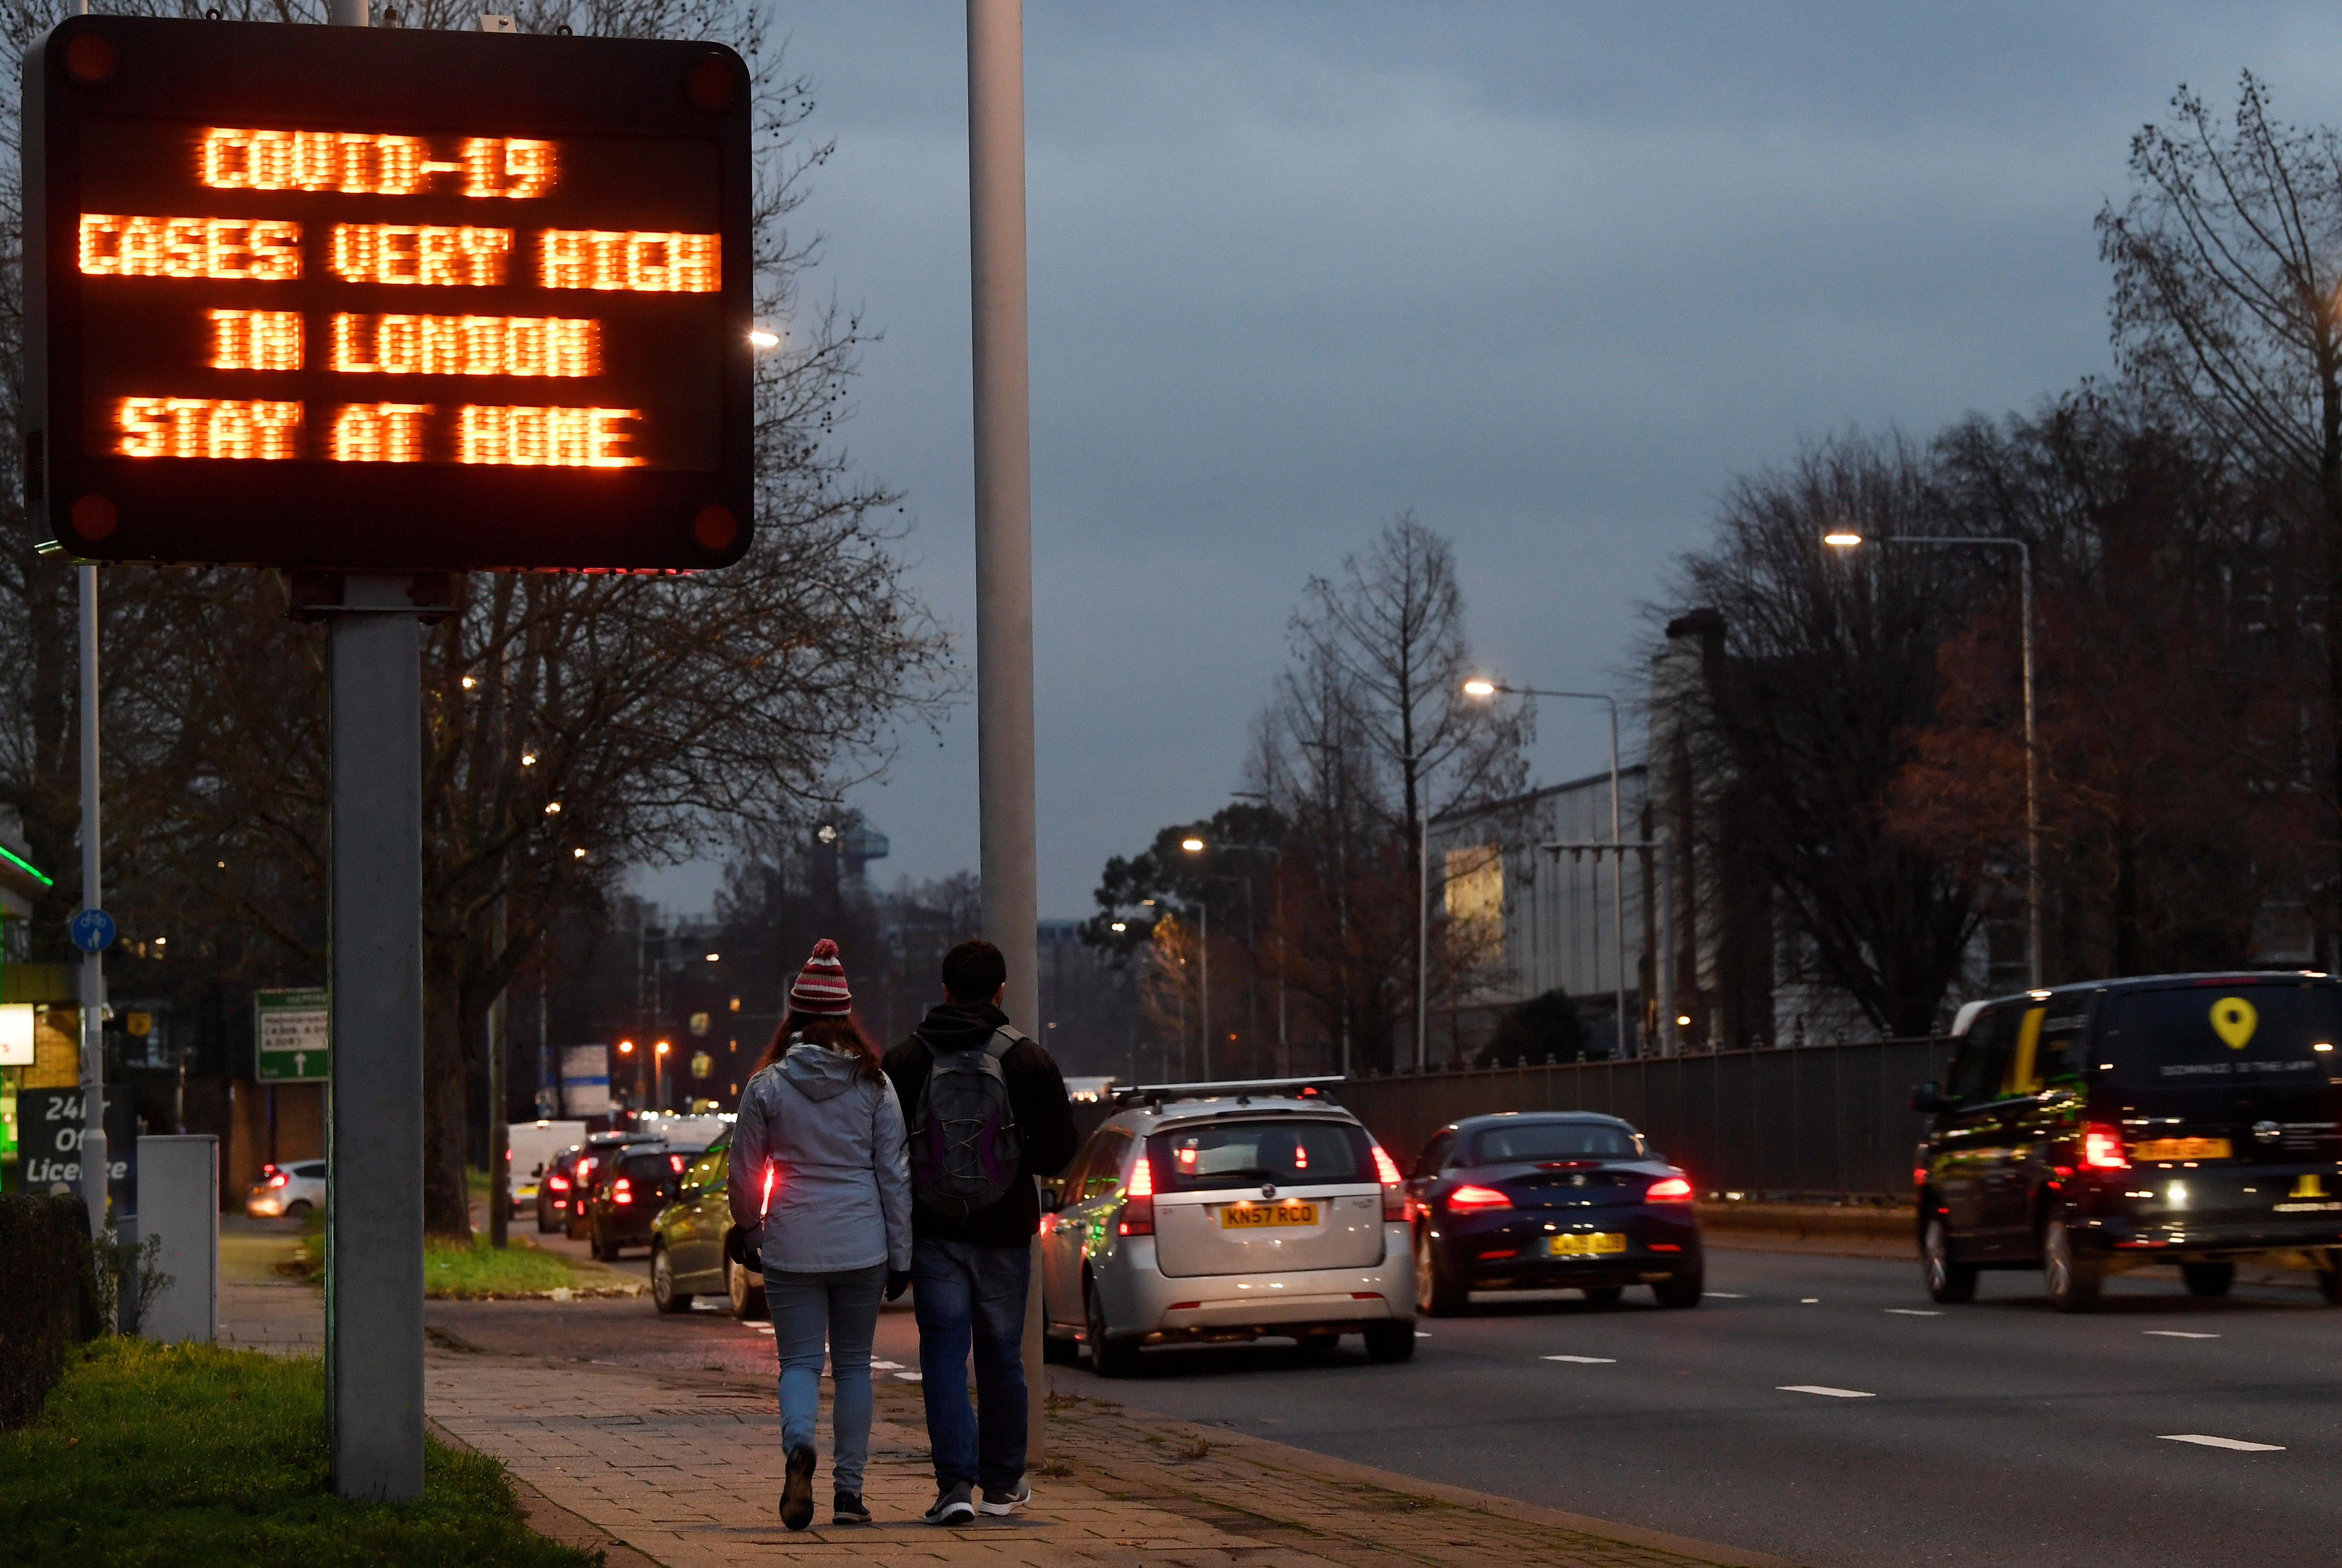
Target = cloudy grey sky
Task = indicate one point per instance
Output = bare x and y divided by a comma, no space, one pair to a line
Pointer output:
1550,274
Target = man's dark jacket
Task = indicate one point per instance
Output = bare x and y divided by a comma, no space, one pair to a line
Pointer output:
1036,1094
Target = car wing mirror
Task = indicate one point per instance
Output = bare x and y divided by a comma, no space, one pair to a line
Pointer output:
1929,1096
1053,1198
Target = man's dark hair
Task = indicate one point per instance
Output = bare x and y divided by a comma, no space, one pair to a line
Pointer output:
973,970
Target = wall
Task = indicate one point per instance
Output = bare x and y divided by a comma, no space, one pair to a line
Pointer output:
1822,1120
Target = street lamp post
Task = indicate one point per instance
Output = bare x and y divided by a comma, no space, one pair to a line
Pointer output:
1487,688
1196,846
1847,539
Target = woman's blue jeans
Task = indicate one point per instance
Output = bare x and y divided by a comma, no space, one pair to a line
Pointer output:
842,1310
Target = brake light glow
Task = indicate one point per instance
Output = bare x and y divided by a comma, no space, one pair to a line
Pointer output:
1139,1201
1668,1190
1394,1191
559,1183
674,1163
621,1191
1918,1175
279,1180
2102,1148
1468,1198
1490,1253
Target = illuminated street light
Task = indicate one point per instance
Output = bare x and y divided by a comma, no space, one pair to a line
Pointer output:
1844,539
553,808
1192,846
1118,925
528,759
469,683
1481,687
578,854
713,957
763,339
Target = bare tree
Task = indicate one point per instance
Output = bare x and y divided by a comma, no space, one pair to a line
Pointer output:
2227,257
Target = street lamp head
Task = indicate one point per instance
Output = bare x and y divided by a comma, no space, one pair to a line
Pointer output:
625,1048
1476,686
1119,925
828,833
1842,538
713,957
663,1047
1192,846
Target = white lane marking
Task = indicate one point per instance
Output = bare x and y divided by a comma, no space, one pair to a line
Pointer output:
1825,1391
1583,1361
2177,1334
1810,1300
1912,1313
1725,1296
1421,1335
886,1366
907,1376
2239,1445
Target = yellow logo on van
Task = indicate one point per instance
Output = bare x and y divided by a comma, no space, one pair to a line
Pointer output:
2234,1019
2307,1187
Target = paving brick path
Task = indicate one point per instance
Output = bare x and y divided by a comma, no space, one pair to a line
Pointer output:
685,1471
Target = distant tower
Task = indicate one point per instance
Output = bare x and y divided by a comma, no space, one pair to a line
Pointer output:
856,843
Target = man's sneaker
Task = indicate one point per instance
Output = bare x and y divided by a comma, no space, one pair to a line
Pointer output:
951,1505
846,1509
1009,1501
796,1495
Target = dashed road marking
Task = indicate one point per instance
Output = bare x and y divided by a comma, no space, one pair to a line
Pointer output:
1583,1361
1810,1300
2238,1443
1912,1313
1725,1296
1421,1334
2177,1334
907,1376
1824,1390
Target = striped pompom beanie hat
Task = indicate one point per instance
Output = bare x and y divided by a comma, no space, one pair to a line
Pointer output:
821,986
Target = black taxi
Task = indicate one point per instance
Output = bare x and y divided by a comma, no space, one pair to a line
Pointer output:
2186,1120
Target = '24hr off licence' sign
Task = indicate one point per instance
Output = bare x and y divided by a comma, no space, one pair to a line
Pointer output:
348,298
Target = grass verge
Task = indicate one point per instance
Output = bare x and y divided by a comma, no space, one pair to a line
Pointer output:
452,1269
154,1454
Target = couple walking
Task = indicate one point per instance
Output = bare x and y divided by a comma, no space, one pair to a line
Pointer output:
849,1198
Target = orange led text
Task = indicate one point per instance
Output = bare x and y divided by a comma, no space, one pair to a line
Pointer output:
420,253
647,261
255,340
380,433
207,427
267,250
355,162
466,345
545,437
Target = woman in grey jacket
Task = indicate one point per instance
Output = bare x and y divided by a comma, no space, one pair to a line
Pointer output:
821,1183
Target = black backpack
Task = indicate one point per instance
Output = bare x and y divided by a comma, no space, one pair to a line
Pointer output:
963,1142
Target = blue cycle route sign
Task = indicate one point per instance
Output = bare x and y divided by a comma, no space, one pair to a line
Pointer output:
93,930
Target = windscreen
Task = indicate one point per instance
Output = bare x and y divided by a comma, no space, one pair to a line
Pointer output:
1532,1141
1246,1153
2275,1036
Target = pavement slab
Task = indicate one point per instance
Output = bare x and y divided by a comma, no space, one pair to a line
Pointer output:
686,1470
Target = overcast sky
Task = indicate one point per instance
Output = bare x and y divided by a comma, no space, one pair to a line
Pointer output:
1548,274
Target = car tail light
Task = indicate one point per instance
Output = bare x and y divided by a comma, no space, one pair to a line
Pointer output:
279,1179
559,1183
1918,1175
2102,1148
1494,1252
1668,1190
1183,1306
1366,1295
1394,1185
268,1170
621,1191
1468,1198
1139,1201
1664,1247
674,1163
584,1171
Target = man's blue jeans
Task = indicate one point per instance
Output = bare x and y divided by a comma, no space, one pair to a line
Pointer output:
972,1297
841,1309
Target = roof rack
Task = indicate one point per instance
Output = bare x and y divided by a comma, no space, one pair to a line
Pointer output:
1291,1087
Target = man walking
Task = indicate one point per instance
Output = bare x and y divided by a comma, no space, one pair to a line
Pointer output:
988,1115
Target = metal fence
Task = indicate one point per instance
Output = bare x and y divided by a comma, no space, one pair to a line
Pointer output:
1808,1120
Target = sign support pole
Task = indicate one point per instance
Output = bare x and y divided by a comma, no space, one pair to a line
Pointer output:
95,1164
373,1148
1004,543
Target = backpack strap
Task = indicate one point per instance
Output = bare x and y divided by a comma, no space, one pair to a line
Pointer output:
1004,1039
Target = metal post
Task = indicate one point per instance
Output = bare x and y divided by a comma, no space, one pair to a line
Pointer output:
2032,792
1203,998
1422,930
500,1010
95,1164
1004,543
374,1233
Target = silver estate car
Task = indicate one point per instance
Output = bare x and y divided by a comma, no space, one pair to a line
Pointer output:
1222,1213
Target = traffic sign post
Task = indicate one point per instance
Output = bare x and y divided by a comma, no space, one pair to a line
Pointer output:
377,307
292,1036
93,930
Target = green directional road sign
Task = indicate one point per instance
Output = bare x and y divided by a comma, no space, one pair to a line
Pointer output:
292,1032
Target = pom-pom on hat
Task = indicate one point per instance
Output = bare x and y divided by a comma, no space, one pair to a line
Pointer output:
821,986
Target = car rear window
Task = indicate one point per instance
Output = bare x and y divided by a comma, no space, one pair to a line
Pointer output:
1556,1140
2214,1036
1289,1152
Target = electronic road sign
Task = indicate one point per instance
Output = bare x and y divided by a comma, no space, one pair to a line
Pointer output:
371,299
